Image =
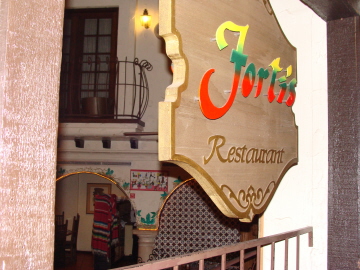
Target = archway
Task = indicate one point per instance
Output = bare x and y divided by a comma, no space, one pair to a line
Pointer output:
74,195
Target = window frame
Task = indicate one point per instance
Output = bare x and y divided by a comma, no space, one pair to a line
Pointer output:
70,84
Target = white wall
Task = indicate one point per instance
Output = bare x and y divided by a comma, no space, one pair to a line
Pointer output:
152,48
301,199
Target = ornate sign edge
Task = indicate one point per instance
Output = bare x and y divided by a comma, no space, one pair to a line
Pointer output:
167,130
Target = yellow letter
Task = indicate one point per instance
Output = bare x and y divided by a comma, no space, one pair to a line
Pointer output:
216,146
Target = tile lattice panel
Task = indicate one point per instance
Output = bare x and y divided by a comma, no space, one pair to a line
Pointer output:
190,222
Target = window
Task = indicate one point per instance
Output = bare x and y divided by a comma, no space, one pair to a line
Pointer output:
88,67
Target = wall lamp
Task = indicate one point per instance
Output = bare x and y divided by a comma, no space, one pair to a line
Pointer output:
145,19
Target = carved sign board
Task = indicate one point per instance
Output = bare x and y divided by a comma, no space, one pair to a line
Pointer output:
227,117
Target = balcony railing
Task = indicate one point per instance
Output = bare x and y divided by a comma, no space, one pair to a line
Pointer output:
198,260
105,91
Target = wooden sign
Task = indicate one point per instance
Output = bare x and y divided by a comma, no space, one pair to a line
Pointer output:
227,117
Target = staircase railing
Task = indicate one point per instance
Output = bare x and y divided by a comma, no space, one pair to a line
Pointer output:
197,260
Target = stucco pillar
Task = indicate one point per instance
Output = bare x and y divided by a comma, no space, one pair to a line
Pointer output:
30,60
146,243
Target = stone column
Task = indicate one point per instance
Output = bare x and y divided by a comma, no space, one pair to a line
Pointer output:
146,243
30,60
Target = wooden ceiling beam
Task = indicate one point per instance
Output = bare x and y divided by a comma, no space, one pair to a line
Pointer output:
330,10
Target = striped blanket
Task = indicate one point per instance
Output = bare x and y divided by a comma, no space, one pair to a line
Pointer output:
105,226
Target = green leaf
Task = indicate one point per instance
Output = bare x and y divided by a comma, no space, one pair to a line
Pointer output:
148,219
126,185
109,171
163,196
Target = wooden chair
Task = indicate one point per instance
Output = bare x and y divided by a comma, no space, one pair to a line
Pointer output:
60,240
59,219
71,245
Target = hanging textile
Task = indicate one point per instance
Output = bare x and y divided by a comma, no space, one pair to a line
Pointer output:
105,226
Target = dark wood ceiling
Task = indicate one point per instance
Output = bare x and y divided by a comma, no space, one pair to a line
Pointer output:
330,10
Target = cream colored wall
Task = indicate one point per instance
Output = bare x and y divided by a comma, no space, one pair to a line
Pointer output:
30,54
67,197
301,199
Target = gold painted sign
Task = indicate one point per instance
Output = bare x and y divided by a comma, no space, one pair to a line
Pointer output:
227,117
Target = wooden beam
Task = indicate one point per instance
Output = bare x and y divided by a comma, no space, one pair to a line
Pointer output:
343,50
330,10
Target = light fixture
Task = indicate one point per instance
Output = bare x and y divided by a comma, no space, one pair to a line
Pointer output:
145,19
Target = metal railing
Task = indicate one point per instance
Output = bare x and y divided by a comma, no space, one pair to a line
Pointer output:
132,88
197,260
111,90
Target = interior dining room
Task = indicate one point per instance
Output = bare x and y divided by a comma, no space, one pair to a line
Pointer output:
63,64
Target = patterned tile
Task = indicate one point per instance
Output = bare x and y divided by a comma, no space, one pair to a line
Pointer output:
190,222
